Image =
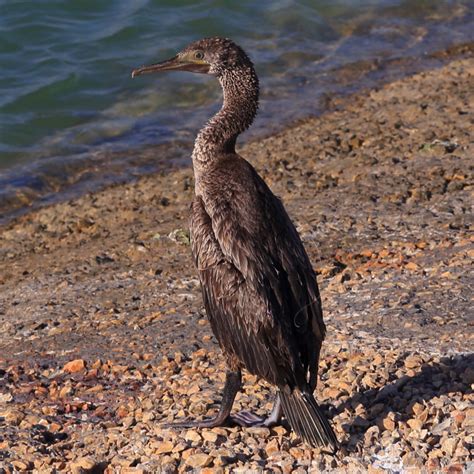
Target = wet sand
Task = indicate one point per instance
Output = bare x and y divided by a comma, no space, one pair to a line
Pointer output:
380,187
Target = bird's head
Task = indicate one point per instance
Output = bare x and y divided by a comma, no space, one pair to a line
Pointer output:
212,56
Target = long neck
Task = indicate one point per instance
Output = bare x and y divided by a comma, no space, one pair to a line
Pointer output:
240,90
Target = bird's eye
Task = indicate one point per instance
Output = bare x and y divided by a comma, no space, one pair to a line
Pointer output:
199,55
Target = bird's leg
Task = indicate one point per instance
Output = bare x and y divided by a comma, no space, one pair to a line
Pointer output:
313,370
233,383
245,418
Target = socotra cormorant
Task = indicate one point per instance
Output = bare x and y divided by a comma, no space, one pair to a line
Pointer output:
258,285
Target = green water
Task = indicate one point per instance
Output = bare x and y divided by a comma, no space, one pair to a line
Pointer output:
69,110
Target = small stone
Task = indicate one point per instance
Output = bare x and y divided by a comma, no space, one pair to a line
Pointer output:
219,431
412,460
412,266
433,464
415,424
148,416
210,470
164,447
85,465
193,389
418,408
272,447
180,447
440,428
449,446
210,436
22,465
13,417
259,431
122,411
65,391
128,421
199,460
97,364
469,419
279,430
389,422
413,361
74,366
193,435
456,468
371,435
6,397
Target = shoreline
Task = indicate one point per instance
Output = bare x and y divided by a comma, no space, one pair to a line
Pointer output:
379,189
79,174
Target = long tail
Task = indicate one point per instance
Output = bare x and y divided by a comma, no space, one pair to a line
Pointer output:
307,419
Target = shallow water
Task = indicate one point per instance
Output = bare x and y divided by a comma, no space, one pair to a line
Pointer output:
70,113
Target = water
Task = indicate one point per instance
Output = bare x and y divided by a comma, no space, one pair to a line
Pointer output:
70,113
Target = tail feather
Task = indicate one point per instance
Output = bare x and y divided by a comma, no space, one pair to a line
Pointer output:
307,419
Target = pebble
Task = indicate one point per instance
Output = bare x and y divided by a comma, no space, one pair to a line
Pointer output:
164,447
449,446
74,366
85,465
199,460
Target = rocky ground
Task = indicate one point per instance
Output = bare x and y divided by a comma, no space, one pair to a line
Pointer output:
103,336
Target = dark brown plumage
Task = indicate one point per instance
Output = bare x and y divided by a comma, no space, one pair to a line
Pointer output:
259,288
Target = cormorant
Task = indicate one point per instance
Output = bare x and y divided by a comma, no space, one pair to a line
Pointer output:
258,285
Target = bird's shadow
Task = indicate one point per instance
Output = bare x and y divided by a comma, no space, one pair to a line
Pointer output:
448,376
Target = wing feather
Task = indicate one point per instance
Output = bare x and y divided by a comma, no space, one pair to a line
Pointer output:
258,284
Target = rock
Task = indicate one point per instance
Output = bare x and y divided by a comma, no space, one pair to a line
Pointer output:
418,408
12,416
164,447
22,465
210,470
199,460
440,428
412,266
65,391
389,422
259,431
468,422
6,397
220,431
210,436
371,435
413,361
449,446
193,389
412,460
74,366
415,424
272,447
193,435
279,430
455,468
86,465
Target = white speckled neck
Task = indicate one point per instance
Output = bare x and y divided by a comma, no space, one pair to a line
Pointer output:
218,136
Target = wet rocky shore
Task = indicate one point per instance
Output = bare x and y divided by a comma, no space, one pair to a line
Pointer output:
103,335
